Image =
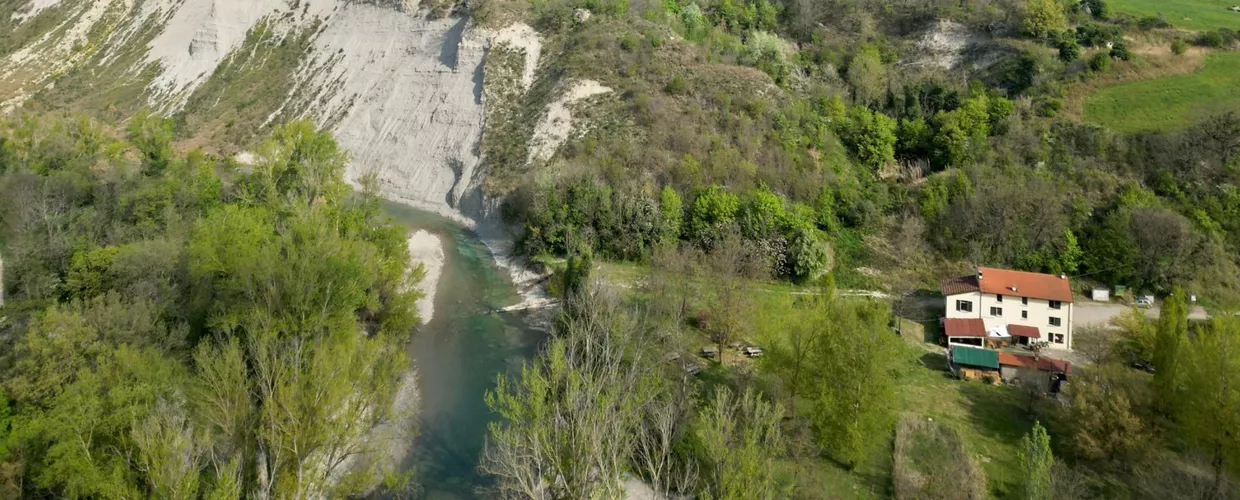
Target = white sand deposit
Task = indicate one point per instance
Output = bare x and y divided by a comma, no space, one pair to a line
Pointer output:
425,248
553,130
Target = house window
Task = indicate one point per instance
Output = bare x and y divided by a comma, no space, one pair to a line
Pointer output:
1056,322
1055,304
1057,338
998,298
964,306
1024,301
1024,315
996,311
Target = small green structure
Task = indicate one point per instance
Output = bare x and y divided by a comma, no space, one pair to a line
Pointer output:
972,356
971,363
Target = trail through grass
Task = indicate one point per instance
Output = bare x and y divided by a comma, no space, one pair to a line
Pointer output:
1169,103
1188,14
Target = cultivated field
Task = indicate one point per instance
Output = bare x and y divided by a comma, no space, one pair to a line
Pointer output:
1188,14
1169,103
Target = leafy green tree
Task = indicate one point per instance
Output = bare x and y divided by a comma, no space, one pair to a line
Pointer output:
872,136
962,129
1069,49
739,440
1210,411
867,75
762,214
570,421
1168,346
808,255
852,365
1044,17
153,137
671,207
1105,414
1036,463
711,213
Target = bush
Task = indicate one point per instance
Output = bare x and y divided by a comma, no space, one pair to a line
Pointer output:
1069,49
1153,22
1178,47
1120,51
1212,39
677,86
1101,62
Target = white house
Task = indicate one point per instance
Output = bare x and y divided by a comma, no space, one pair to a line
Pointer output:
1000,303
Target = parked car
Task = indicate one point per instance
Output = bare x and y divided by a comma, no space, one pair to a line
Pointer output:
1145,301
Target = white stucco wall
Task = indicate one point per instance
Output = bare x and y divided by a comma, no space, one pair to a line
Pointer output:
1038,314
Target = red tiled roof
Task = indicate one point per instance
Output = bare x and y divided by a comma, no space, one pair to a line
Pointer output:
964,327
1023,284
963,284
1024,331
1043,363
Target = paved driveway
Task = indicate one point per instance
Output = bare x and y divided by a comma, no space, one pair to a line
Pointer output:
1100,313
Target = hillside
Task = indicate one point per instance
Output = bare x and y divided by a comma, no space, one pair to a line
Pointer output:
693,178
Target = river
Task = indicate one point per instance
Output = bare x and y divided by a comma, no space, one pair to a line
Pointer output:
458,355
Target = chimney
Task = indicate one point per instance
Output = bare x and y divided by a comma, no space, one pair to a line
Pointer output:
1063,276
1013,288
979,274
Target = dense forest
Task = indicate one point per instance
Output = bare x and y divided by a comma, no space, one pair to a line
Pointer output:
176,326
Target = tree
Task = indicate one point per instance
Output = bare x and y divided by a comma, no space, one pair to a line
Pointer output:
711,214
854,392
1103,411
1069,49
733,266
571,420
1171,339
872,136
1036,465
867,75
1044,17
1096,342
739,439
671,207
1137,336
1209,415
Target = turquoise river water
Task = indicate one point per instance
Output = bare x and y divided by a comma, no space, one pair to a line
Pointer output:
458,355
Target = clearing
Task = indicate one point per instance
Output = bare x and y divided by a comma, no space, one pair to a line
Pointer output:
1169,103
1188,14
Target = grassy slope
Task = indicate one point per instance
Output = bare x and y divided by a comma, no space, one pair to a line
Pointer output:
1190,14
1169,103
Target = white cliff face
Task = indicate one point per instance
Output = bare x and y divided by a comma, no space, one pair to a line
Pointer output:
403,94
36,6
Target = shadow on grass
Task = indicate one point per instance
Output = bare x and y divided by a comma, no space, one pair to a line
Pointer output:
936,362
997,411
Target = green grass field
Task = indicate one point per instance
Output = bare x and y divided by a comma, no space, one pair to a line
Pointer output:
1187,14
1169,103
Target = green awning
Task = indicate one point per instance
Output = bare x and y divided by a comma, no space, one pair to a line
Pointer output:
972,356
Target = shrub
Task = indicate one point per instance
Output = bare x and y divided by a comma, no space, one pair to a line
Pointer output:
1212,39
1069,49
1178,47
1101,62
677,86
1120,51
